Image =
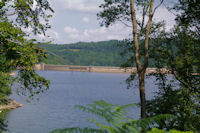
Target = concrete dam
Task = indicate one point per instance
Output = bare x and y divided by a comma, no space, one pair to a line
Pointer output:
100,69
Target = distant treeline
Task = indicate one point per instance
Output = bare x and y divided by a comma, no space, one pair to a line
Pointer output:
104,53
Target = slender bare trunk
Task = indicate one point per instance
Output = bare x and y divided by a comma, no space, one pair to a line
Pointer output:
138,63
141,69
142,94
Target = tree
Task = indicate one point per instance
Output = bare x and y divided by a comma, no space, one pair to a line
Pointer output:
17,49
189,16
179,52
124,11
178,93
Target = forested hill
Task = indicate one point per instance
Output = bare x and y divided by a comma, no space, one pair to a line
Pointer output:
105,53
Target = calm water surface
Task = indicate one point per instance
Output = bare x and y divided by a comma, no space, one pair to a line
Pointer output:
55,109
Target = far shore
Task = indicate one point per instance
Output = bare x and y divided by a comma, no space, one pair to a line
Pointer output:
99,69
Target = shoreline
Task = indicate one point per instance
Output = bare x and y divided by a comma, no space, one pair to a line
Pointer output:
98,69
12,104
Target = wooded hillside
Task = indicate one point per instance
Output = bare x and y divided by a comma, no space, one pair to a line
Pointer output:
105,53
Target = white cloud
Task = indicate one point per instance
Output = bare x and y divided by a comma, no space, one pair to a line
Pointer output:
34,4
69,29
51,35
114,37
115,32
80,5
55,35
86,20
72,33
76,13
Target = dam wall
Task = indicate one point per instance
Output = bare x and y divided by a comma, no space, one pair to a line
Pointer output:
111,69
65,68
100,69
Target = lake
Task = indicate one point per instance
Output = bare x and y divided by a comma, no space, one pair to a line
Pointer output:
55,109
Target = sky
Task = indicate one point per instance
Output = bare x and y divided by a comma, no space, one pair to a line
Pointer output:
76,20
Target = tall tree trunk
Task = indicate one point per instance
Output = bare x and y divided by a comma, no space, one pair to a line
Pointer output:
141,69
141,77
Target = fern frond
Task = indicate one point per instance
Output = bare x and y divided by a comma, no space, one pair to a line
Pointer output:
105,110
103,127
102,113
120,111
79,130
147,122
112,114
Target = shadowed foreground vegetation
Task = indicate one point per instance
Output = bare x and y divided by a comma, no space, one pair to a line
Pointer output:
114,119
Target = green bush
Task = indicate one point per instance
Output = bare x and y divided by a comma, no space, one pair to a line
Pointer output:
115,120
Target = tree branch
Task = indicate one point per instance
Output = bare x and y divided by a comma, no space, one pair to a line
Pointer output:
135,36
146,47
11,14
124,23
161,1
143,20
169,9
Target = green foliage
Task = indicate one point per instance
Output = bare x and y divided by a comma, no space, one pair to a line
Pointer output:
180,49
78,130
3,99
17,50
114,119
155,130
3,126
177,51
114,10
22,14
113,115
5,88
178,95
189,15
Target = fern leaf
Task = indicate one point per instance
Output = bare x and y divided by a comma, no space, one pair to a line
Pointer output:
78,130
